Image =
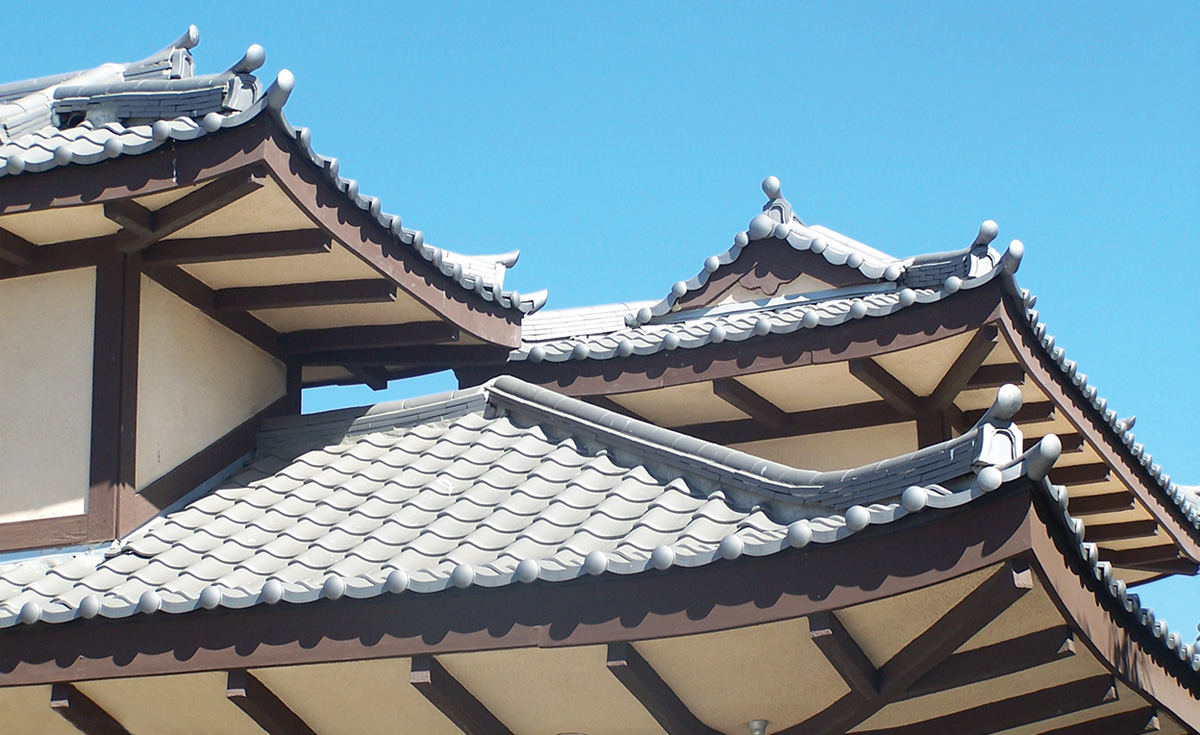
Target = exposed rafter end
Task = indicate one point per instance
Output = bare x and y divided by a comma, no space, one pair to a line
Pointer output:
78,709
750,403
840,648
261,705
452,699
16,250
249,246
294,295
649,689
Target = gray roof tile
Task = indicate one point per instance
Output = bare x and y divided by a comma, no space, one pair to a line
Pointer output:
527,475
89,117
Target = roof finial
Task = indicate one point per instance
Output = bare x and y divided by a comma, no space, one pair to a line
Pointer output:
987,232
252,61
770,187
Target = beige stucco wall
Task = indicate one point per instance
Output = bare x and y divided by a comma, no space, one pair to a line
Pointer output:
196,382
46,334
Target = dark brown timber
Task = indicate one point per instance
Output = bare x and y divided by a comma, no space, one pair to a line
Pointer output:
1084,505
1030,413
1121,531
994,376
249,246
836,643
452,699
800,423
1070,442
292,295
648,688
887,386
141,231
968,363
261,705
750,403
1080,474
85,715
999,591
368,337
16,250
1025,709
998,659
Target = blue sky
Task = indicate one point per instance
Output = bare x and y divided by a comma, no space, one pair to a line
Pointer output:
619,144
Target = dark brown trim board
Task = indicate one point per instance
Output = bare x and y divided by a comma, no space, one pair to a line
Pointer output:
452,699
641,680
262,705
901,557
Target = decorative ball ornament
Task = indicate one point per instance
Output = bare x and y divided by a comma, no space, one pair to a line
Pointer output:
272,591
914,498
211,122
210,598
160,130
625,348
761,226
537,353
810,319
149,602
333,588
908,297
771,188
731,547
712,263
463,576
89,607
397,581
31,612
596,562
1008,402
663,557
857,518
990,478
528,570
799,534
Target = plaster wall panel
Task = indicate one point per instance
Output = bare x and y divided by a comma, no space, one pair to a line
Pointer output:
680,405
538,691
179,704
837,450
60,224
357,698
810,387
772,672
46,334
26,711
196,382
921,369
267,209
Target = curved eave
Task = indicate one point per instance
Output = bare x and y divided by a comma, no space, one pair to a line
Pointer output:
265,139
1081,405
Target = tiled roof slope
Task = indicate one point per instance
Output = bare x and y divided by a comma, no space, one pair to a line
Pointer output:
87,117
622,330
504,483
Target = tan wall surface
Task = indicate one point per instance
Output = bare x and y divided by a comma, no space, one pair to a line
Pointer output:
46,334
196,382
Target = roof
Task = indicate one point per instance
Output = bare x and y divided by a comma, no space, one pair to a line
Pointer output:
888,285
120,110
502,483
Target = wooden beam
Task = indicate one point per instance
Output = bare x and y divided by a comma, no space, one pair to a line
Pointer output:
85,715
428,356
136,219
994,376
996,660
293,295
368,337
261,705
1133,722
461,707
1025,709
964,368
949,632
799,423
887,386
16,250
1080,474
608,404
1028,414
933,428
375,378
141,232
192,290
249,246
1070,443
840,648
1121,531
648,688
1087,505
1145,555
750,403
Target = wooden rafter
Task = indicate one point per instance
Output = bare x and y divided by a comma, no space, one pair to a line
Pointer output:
750,403
85,715
368,337
994,376
375,377
799,423
1081,474
965,366
887,386
1070,442
1146,555
452,699
1025,709
143,228
649,689
999,591
262,705
1121,531
248,246
416,356
840,648
996,660
608,404
1087,505
16,250
292,295
1030,413
1132,722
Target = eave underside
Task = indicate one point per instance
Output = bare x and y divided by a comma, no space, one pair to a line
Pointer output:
958,622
